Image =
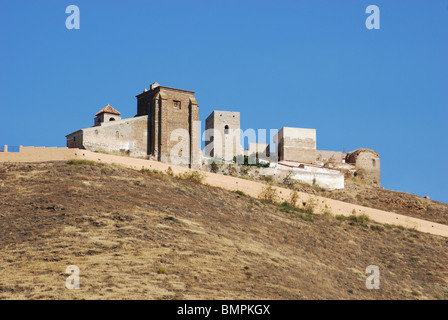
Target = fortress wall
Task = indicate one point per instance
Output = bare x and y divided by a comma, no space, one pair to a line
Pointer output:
325,155
38,154
126,135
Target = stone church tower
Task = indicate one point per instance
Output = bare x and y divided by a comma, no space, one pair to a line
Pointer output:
169,112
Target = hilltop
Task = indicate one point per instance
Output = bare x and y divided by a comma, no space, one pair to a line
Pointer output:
148,235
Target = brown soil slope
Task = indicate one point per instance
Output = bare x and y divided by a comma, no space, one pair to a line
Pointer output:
150,236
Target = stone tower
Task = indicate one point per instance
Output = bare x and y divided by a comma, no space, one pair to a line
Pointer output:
223,135
367,164
173,124
296,144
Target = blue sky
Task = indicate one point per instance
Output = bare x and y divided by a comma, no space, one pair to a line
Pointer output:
308,64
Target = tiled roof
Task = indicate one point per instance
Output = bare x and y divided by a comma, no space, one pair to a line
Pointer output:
108,109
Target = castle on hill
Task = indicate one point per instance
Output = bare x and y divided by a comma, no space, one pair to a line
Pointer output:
167,128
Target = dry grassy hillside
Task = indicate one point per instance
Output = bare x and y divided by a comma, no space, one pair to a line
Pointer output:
146,235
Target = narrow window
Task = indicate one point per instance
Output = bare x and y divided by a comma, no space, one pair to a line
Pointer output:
226,129
373,163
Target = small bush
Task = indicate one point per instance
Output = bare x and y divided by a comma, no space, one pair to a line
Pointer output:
161,270
309,206
192,176
170,218
362,218
377,228
294,198
341,217
170,172
214,167
306,217
327,213
288,180
287,207
269,194
241,193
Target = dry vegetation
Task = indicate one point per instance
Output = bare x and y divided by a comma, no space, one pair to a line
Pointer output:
356,191
151,235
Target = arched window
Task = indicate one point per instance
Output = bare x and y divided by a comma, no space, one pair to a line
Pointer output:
112,119
226,129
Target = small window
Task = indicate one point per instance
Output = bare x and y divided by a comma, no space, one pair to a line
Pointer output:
74,138
177,105
112,119
226,129
373,163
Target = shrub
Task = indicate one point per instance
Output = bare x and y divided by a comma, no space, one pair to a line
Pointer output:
161,270
327,213
362,218
241,193
306,217
294,198
192,176
269,194
170,218
214,167
309,206
287,207
340,217
288,180
377,228
170,172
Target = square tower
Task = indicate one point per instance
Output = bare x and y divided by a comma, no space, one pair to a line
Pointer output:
173,124
223,135
296,144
